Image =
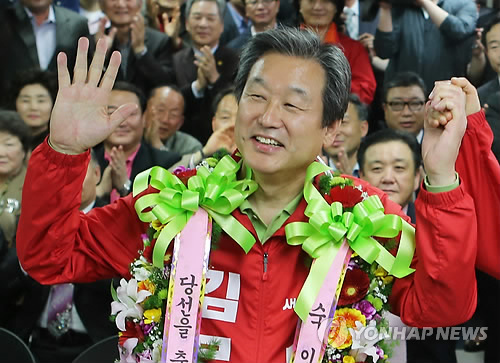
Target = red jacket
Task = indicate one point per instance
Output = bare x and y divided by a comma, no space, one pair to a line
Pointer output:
479,170
363,81
244,305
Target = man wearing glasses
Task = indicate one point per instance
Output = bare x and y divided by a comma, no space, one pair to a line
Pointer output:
262,14
404,103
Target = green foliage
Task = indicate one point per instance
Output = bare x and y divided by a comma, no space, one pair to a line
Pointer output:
219,154
163,294
150,232
207,353
388,346
216,234
113,292
324,183
152,302
390,244
338,181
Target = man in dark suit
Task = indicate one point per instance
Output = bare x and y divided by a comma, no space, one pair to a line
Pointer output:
390,160
124,154
206,68
263,15
491,41
493,118
146,52
235,21
36,32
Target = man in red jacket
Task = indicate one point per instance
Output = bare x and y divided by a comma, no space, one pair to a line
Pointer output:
292,93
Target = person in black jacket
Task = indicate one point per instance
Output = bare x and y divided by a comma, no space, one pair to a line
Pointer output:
124,154
206,68
146,52
18,22
27,312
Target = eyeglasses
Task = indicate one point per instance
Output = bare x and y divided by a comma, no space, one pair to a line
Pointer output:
255,2
400,105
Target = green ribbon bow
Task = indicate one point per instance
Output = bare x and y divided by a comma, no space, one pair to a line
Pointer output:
218,192
328,225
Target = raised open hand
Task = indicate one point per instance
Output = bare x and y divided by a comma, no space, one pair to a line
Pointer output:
80,116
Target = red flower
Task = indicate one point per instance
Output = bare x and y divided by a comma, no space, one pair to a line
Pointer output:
355,287
348,196
132,331
185,175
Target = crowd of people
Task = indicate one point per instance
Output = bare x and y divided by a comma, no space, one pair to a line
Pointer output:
193,77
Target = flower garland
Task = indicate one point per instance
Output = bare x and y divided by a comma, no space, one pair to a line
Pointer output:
363,296
139,304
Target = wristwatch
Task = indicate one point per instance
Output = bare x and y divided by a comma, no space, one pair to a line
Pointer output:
125,189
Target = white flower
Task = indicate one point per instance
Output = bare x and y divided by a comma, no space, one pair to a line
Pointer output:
364,339
157,346
141,274
141,269
126,350
128,304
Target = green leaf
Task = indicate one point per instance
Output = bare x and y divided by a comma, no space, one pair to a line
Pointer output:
114,295
152,302
207,352
163,294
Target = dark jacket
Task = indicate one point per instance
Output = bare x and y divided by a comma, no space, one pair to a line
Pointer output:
198,114
152,69
92,301
146,157
19,51
487,89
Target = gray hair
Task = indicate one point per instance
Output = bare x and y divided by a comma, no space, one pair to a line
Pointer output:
304,44
221,6
361,108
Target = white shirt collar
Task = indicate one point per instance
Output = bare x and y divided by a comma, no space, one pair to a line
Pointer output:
213,50
426,14
88,208
50,19
253,32
420,136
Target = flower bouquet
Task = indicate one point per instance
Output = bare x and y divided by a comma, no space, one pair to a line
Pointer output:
139,306
158,311
343,220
